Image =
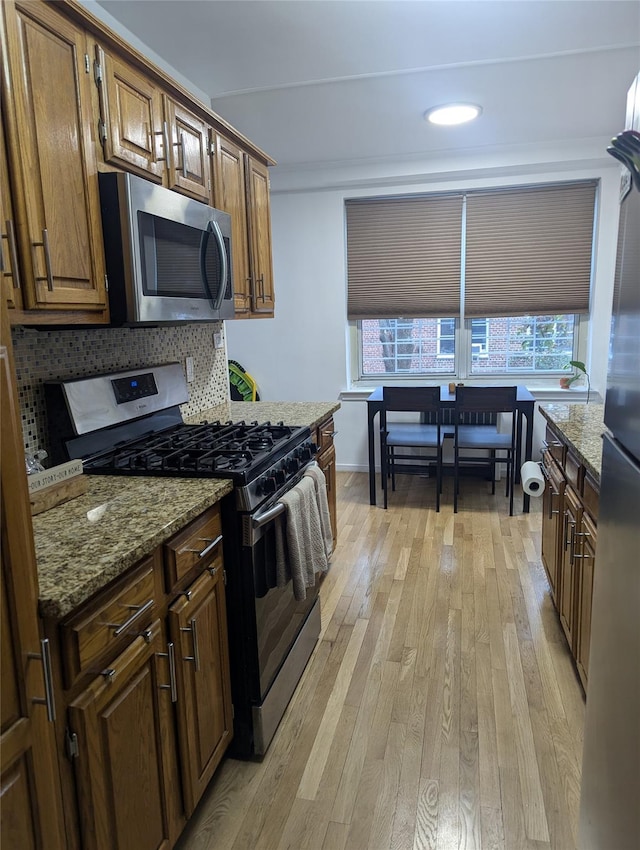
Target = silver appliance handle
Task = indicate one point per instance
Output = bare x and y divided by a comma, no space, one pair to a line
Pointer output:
223,254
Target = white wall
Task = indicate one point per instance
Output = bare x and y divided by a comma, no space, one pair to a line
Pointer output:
302,354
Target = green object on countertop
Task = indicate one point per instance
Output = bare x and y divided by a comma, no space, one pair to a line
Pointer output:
242,382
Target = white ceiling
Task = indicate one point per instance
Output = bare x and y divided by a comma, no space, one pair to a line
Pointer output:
328,81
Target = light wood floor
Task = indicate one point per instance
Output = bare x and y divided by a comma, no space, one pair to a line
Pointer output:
440,708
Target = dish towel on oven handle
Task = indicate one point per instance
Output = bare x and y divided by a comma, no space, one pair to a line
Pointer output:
320,482
304,554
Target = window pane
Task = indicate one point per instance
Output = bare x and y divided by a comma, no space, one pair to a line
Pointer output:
407,347
524,344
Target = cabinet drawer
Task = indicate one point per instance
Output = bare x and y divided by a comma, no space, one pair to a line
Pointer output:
573,471
554,446
92,637
196,545
590,496
324,435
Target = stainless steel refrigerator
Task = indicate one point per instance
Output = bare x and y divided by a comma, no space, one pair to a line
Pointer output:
610,798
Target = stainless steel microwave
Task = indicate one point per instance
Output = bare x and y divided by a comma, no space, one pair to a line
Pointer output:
168,257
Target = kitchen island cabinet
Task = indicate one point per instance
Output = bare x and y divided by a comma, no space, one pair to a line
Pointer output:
571,465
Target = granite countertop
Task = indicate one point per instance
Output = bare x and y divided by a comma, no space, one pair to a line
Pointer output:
84,544
309,413
582,427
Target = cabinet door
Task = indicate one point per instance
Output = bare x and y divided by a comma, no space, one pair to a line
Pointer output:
125,742
188,160
198,628
29,786
585,560
551,513
327,463
259,212
52,160
229,192
568,604
8,247
131,115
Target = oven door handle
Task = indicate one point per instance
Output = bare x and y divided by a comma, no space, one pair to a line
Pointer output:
267,516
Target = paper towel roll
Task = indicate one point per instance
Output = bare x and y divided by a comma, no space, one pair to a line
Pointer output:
532,478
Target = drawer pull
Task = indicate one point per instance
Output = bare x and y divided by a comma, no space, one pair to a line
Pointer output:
118,629
211,544
47,258
108,674
331,434
172,686
194,637
582,557
13,254
184,155
553,445
48,699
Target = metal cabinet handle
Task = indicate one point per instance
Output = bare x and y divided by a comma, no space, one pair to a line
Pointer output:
119,628
172,686
260,281
47,259
584,557
184,155
48,699
10,236
211,544
331,434
192,627
165,142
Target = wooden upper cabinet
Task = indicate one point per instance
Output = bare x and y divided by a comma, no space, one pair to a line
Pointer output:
29,784
259,215
230,195
188,161
47,115
9,266
131,128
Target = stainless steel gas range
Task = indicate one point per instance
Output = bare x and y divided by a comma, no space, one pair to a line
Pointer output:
129,423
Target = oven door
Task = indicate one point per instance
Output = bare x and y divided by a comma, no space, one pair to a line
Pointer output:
279,617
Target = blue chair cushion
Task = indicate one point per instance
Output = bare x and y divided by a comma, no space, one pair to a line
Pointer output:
412,434
482,437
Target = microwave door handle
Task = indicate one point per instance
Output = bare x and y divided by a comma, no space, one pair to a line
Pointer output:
223,256
213,227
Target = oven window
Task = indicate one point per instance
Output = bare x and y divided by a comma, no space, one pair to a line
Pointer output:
171,255
279,616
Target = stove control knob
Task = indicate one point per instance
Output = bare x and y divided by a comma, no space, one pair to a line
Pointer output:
306,452
291,464
280,476
266,485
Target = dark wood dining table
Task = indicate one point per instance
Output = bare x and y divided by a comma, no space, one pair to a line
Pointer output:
525,407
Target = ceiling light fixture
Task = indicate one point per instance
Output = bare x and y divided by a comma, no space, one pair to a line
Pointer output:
452,113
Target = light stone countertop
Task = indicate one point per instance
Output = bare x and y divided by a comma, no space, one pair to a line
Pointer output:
308,413
582,427
87,542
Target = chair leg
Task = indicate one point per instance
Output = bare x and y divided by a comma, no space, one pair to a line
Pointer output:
512,482
493,472
385,473
455,480
392,467
509,465
438,478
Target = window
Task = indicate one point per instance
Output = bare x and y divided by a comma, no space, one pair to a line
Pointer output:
458,267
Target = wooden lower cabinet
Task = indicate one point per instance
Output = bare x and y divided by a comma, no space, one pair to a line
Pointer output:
552,502
146,716
568,610
569,535
125,743
198,630
30,802
326,460
585,561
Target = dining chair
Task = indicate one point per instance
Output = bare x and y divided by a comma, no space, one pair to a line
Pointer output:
410,435
489,401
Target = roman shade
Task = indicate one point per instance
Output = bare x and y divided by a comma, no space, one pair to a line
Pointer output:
404,256
528,250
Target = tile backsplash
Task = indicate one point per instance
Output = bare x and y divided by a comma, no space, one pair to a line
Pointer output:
49,355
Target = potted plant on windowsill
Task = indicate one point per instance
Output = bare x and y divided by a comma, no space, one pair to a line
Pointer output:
581,369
